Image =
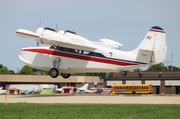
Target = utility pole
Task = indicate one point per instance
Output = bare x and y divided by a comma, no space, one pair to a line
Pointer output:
171,61
172,52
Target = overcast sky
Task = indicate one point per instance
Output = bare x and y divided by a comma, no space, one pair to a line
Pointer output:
125,21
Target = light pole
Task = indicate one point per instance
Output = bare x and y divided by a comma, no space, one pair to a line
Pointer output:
69,81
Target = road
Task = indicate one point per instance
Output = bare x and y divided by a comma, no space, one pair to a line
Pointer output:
92,99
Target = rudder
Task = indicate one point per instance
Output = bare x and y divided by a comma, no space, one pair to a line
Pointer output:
154,44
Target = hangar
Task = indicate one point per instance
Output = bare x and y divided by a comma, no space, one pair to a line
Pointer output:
76,81
167,81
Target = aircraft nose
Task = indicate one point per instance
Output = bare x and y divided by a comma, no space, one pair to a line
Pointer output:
25,56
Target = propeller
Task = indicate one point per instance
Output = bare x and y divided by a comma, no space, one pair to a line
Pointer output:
38,27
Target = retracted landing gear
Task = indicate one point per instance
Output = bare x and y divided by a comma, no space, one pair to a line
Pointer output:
54,72
65,75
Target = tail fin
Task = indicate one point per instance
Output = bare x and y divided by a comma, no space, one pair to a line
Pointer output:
84,87
153,47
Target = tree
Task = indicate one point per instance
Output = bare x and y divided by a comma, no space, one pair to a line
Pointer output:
40,72
4,70
157,67
1,66
110,75
172,68
26,70
12,72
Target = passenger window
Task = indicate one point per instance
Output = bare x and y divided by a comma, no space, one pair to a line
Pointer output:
73,50
77,51
61,48
66,49
85,52
97,54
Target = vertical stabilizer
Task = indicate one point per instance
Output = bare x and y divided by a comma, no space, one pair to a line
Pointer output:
84,87
153,47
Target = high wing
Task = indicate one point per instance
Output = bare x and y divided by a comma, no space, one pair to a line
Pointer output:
63,38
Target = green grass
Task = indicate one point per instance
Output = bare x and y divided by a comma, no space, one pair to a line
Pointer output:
88,111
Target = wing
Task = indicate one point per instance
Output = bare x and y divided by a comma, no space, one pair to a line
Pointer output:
65,39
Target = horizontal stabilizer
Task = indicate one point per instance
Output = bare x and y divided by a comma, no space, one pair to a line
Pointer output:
26,33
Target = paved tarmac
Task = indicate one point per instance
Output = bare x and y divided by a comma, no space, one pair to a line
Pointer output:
118,99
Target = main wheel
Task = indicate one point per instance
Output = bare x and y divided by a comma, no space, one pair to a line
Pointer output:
54,73
65,75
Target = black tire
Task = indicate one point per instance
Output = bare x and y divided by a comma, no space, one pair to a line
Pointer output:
54,73
133,92
65,75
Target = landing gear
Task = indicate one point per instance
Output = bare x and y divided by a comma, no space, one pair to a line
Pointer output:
54,73
65,75
124,73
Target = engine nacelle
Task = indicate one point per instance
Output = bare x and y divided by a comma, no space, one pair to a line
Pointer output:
47,33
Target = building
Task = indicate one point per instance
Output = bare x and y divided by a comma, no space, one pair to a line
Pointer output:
76,81
167,82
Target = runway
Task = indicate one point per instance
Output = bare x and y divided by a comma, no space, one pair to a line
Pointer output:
118,99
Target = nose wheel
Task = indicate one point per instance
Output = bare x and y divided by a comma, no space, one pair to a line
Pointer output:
54,72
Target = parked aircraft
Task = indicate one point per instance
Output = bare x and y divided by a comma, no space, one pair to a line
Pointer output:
90,91
104,91
79,90
26,92
98,91
60,89
70,53
2,91
83,88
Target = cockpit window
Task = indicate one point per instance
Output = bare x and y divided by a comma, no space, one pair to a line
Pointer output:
54,47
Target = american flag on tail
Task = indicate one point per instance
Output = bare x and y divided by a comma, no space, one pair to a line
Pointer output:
149,37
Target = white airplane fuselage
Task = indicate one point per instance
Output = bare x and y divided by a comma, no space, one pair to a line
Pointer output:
109,60
70,53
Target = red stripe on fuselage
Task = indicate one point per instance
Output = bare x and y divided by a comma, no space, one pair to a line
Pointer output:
80,56
157,31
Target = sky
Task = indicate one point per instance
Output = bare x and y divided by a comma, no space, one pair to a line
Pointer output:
125,21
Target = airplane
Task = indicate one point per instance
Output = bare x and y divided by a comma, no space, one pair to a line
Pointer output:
83,88
68,53
94,90
60,89
90,91
104,90
2,91
26,92
79,90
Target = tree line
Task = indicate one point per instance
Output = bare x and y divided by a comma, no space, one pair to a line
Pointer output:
27,70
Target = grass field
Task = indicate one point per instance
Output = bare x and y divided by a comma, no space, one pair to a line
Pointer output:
88,111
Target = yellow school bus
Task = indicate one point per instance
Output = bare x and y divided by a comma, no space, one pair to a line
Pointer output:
132,89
